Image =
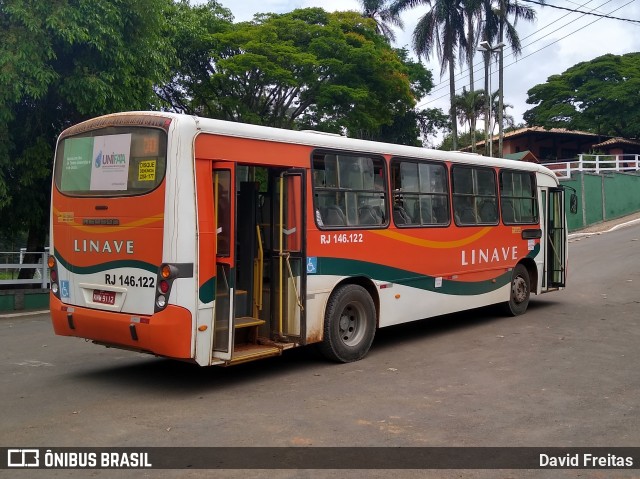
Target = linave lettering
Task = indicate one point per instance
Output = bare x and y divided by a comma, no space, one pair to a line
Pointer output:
489,255
98,246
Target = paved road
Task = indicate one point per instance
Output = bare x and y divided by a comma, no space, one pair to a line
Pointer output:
564,374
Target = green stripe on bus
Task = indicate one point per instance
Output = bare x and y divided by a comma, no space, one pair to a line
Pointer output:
206,291
97,268
349,267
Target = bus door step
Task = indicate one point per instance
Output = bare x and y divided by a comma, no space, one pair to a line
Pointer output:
247,322
243,353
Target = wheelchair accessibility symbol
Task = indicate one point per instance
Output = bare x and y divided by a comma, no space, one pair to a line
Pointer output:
64,289
312,265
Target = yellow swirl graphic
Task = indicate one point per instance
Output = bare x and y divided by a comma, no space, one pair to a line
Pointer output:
394,235
108,229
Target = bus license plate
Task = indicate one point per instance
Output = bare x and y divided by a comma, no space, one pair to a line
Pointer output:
104,297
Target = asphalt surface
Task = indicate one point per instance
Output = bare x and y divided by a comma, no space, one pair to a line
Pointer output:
565,374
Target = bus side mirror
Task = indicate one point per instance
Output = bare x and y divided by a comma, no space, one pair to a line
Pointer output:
573,203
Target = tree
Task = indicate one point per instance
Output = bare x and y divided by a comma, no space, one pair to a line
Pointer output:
303,69
599,96
441,29
496,30
469,105
473,16
62,62
509,8
407,128
192,37
380,12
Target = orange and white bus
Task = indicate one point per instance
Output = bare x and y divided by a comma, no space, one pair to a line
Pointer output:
219,243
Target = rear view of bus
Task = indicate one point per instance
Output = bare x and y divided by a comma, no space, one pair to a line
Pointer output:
109,283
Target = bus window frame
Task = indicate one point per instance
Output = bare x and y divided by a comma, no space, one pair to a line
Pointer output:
474,196
317,216
89,133
535,198
447,193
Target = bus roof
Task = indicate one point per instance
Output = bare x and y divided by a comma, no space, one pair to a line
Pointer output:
330,141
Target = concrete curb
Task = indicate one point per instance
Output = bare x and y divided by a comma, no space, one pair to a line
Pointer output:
613,228
23,314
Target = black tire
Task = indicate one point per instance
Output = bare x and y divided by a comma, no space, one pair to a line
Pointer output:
519,293
349,324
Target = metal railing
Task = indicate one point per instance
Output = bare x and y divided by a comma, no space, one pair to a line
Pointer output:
595,164
12,262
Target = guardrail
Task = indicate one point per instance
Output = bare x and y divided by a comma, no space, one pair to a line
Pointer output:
595,164
11,263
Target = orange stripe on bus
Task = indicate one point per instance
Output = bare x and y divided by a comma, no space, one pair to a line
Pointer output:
430,243
112,229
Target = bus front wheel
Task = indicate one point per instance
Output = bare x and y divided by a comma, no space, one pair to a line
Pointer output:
349,324
520,291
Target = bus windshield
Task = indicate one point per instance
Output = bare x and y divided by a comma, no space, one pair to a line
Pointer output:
114,161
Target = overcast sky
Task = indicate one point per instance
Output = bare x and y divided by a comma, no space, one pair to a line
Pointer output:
557,40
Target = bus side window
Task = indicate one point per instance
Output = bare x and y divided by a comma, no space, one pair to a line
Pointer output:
474,195
349,190
421,193
518,197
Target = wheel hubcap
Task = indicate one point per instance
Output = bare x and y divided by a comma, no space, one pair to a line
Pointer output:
519,290
351,324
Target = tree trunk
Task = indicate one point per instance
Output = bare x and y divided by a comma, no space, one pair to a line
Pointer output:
487,103
452,110
500,78
472,119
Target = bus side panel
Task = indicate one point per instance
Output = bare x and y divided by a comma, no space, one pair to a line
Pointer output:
243,150
460,255
206,233
400,303
421,272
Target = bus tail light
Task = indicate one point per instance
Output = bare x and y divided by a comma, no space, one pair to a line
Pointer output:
164,286
161,302
53,276
167,274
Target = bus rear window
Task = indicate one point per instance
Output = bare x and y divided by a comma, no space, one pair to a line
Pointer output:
114,161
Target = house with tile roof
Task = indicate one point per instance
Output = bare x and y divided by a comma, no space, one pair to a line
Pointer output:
559,144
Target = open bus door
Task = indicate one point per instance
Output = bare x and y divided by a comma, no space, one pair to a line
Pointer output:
288,258
241,325
556,239
224,207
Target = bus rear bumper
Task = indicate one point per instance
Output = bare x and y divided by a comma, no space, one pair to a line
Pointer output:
167,333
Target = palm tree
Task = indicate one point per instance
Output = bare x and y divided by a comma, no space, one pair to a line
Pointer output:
440,29
506,9
380,12
497,112
473,15
469,105
489,33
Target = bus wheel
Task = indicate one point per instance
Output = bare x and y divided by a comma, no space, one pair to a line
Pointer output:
520,292
349,324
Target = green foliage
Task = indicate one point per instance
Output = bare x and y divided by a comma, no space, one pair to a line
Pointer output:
61,62
64,61
600,96
463,141
303,69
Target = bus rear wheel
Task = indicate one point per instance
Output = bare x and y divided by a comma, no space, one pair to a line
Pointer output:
520,291
349,325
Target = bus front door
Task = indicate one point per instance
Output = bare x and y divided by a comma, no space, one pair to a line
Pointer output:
556,240
288,258
224,213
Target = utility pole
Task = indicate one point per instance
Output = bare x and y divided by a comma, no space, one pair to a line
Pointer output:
488,49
